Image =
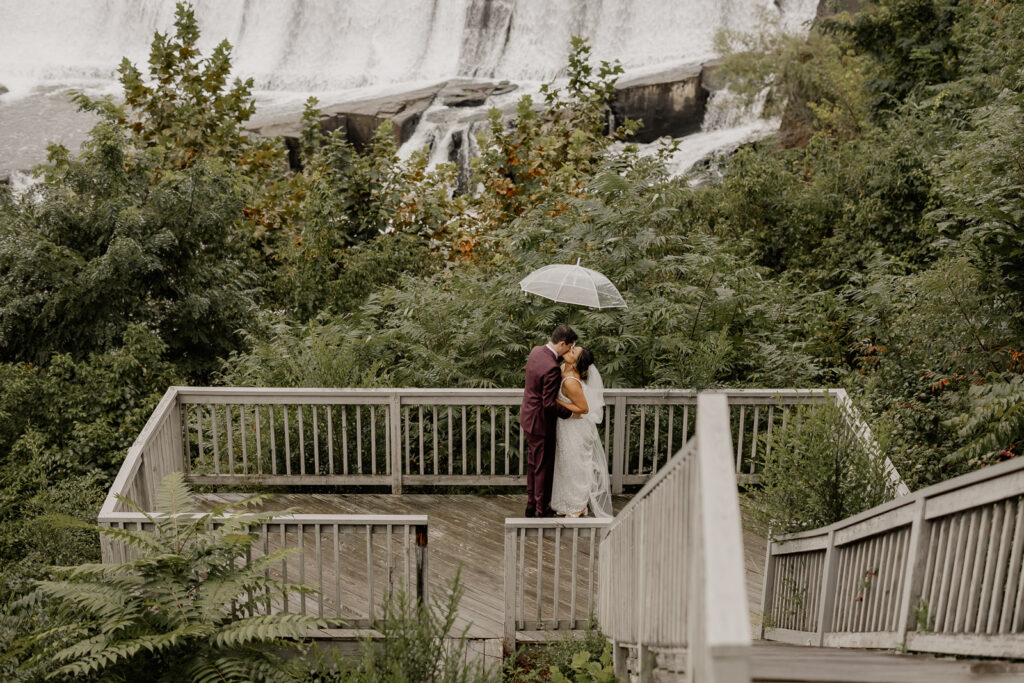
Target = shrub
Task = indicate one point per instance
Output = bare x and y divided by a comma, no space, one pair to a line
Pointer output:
816,473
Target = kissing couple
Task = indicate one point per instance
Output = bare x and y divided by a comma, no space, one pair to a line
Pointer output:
562,406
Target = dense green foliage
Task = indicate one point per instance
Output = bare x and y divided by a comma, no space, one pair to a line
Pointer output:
816,473
186,608
570,659
416,643
876,243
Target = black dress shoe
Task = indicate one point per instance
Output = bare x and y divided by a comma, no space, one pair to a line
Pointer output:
530,512
549,513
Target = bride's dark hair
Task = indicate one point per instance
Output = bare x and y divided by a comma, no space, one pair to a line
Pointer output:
584,362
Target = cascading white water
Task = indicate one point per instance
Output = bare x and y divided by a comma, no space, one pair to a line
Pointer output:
347,50
312,45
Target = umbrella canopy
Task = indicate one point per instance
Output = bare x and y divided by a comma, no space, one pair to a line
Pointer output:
573,285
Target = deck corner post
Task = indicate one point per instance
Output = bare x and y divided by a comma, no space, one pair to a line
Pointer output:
395,424
913,579
510,588
619,444
422,566
620,654
827,600
768,590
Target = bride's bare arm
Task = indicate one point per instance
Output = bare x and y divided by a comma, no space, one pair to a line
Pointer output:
574,392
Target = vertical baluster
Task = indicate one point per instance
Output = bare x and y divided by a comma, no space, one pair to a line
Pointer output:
540,574
388,530
521,583
265,536
643,425
575,578
753,444
408,432
408,570
287,442
373,439
686,425
344,439
739,441
479,460
671,415
199,437
494,446
284,567
657,430
259,440
465,427
451,443
522,450
557,577
508,429
337,572
419,412
319,563
359,439
273,441
330,439
302,564
231,444
316,439
433,412
1006,530
369,567
302,440
590,572
245,440
768,439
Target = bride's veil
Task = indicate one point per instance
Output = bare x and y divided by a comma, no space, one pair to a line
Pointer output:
600,487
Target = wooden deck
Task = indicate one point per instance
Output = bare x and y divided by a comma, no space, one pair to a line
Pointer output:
781,663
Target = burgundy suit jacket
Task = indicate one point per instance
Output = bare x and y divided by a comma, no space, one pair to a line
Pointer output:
543,380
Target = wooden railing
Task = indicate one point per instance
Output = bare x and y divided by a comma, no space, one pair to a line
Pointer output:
550,575
939,570
671,567
400,437
376,555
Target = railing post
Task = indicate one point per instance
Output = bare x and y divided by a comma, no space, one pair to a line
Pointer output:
827,599
768,590
511,534
619,444
913,579
422,566
620,655
395,413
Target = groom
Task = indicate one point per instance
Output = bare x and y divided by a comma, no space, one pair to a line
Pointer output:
538,417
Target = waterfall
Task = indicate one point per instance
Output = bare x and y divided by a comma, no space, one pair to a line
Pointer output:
329,45
349,50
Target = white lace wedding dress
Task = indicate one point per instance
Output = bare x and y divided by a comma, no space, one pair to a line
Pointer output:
581,468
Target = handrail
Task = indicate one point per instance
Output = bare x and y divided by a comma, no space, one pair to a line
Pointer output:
671,574
938,570
229,436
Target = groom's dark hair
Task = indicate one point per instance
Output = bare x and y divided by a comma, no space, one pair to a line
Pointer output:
563,333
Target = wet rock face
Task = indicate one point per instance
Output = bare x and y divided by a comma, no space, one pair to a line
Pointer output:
668,103
473,94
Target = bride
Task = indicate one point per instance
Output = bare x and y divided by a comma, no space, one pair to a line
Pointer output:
581,468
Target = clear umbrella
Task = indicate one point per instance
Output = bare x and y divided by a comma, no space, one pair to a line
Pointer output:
573,285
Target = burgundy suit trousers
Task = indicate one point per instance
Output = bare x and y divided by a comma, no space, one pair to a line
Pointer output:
540,470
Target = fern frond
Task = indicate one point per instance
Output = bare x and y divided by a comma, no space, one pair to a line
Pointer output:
263,627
